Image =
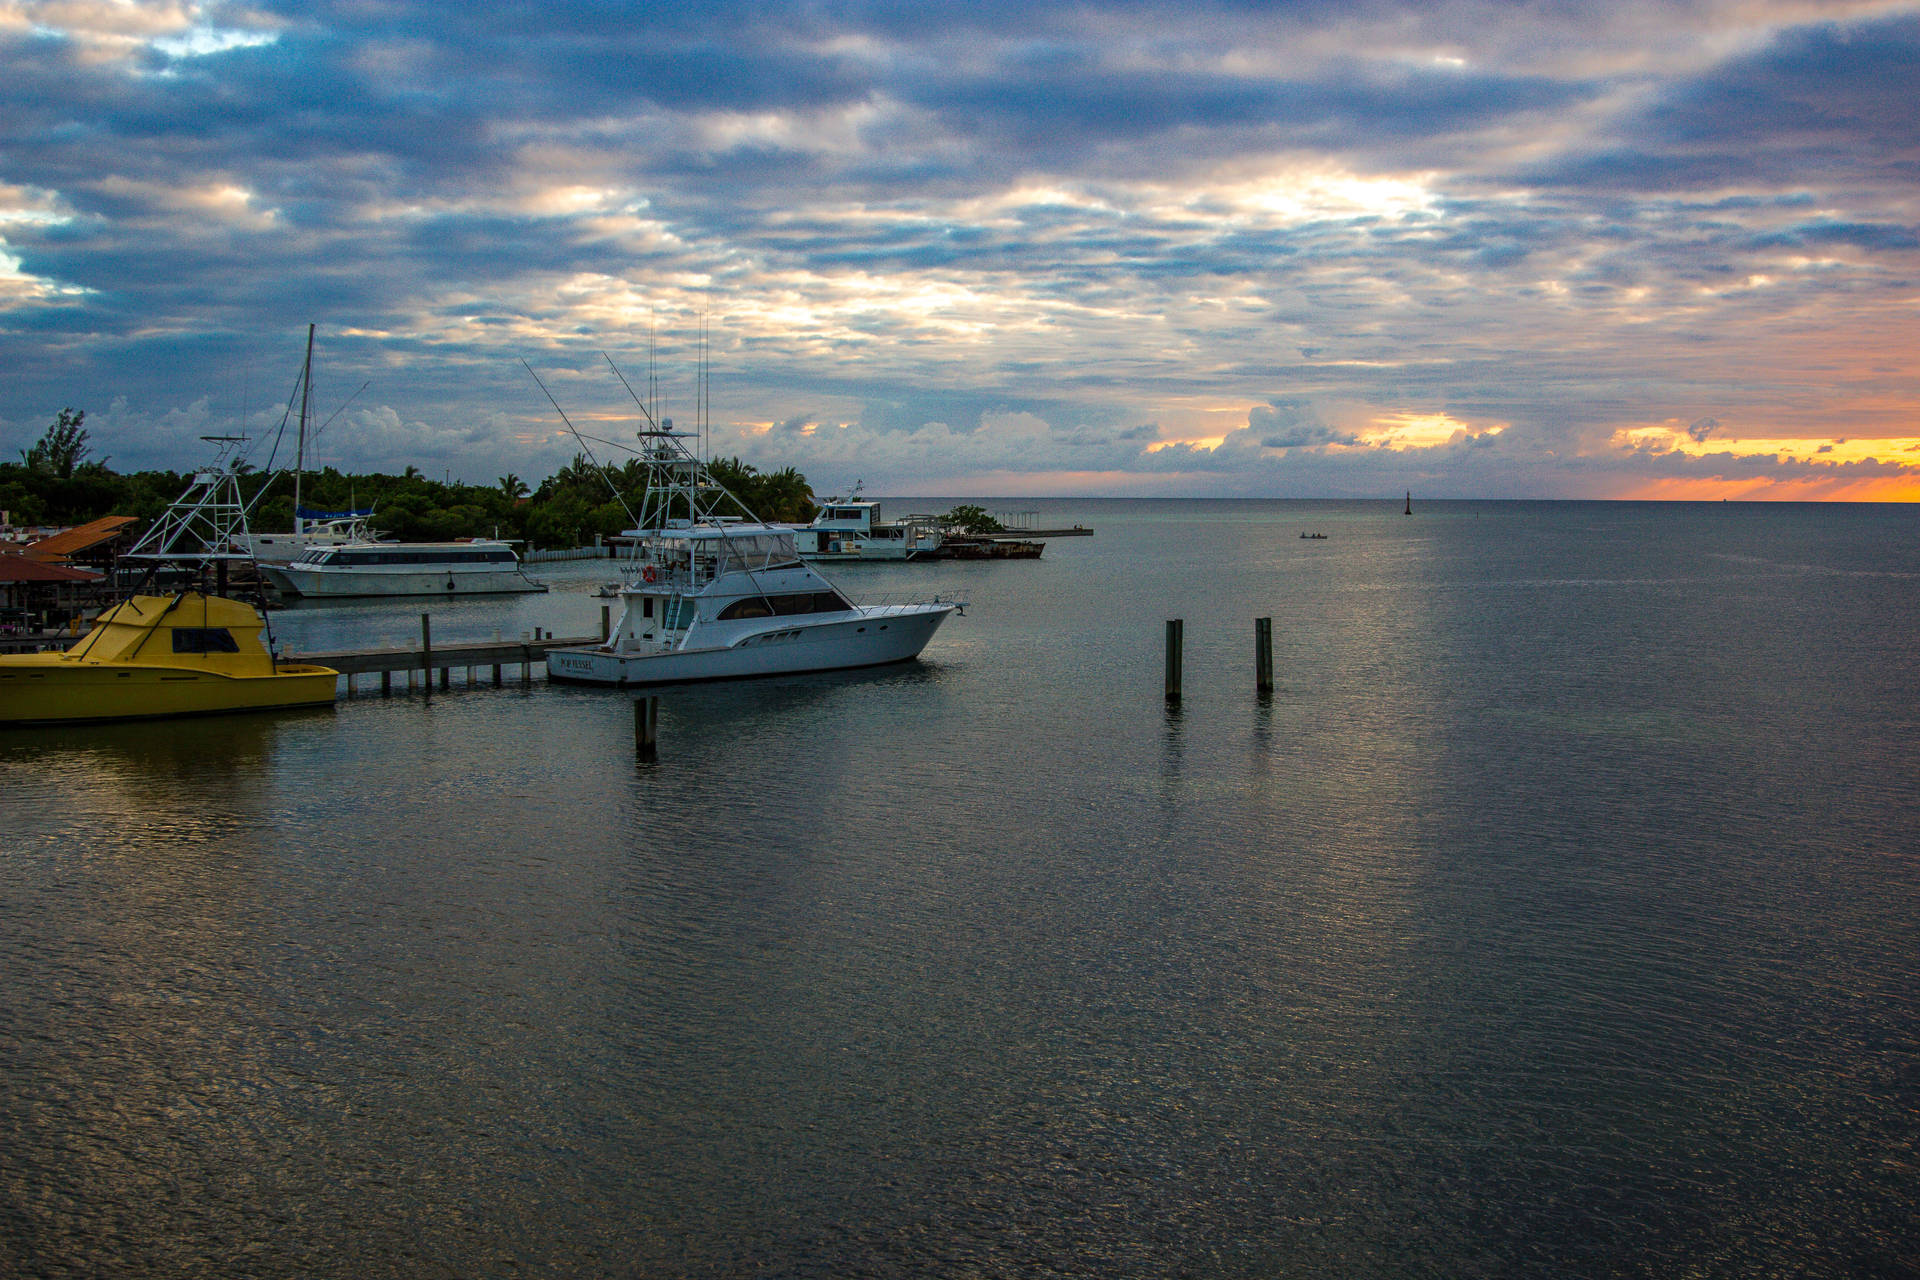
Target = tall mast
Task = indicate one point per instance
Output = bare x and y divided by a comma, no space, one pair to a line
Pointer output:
300,454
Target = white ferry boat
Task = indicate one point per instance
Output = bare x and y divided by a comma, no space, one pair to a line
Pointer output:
711,597
470,566
851,529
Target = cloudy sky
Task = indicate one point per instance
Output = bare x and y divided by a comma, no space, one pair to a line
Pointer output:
1329,248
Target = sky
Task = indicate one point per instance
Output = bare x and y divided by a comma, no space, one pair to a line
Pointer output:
1336,248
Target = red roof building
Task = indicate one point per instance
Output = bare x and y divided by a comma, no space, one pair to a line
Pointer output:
82,537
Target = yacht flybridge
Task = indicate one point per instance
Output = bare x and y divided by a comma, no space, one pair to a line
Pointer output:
708,596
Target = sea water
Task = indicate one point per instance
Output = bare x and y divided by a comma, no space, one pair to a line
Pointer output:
1557,913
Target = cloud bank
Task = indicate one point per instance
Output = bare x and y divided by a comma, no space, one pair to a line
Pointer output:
1464,248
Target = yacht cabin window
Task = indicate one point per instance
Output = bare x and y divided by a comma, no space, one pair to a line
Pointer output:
783,605
204,640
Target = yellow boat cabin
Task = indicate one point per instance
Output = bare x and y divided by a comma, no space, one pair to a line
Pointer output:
188,654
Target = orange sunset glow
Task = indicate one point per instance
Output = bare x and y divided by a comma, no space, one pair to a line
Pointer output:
1071,249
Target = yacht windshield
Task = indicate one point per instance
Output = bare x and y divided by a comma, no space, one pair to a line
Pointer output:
755,551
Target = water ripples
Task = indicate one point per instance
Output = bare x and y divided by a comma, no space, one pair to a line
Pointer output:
1556,915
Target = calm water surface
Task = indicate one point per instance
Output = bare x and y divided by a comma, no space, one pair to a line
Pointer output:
1558,914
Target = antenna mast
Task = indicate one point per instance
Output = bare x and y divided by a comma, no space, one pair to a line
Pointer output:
300,453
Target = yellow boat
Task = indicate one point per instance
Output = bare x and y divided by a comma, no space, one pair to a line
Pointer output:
183,655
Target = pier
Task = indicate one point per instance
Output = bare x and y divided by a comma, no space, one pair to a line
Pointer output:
429,658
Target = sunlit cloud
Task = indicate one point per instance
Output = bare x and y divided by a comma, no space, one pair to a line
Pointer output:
1195,444
1595,252
1406,431
1899,450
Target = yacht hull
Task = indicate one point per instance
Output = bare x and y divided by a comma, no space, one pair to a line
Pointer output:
50,689
302,581
871,637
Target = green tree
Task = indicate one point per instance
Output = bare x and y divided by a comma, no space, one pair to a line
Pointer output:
785,495
560,522
971,519
60,450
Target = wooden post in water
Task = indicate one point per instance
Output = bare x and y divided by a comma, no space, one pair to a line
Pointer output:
1263,655
606,623
646,728
1176,638
426,656
386,682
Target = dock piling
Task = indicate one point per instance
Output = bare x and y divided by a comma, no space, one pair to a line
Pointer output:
426,657
1263,655
1176,638
646,728
606,623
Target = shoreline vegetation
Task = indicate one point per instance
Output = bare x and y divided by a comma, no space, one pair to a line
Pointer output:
56,482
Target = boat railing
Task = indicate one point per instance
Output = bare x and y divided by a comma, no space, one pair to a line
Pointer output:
885,599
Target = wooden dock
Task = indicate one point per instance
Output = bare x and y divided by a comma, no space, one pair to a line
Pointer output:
425,659
428,659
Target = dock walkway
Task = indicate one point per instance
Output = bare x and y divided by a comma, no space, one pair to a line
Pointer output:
428,658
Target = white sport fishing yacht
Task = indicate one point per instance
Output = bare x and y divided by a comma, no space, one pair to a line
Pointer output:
707,596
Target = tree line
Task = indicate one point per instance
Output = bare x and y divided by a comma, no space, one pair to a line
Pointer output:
57,482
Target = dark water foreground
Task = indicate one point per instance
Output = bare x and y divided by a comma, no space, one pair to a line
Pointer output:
1559,914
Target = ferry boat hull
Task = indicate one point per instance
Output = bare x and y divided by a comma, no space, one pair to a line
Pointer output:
302,580
869,636
840,553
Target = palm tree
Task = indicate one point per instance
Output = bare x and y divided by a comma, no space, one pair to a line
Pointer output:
581,473
784,495
513,487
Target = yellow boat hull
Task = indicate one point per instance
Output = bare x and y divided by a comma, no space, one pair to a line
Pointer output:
184,655
50,693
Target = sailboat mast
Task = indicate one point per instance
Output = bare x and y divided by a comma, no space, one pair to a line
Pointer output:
300,453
